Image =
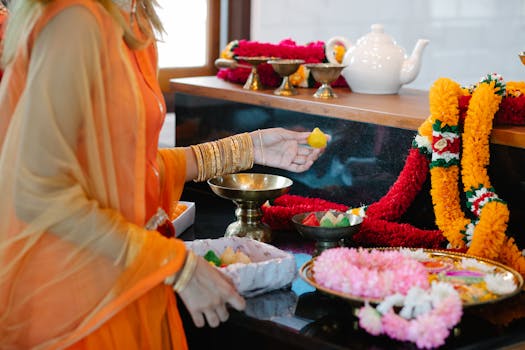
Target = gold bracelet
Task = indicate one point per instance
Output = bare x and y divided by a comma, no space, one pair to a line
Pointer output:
200,165
261,144
225,156
186,273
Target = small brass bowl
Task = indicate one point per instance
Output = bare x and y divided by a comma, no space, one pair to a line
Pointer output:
327,237
522,57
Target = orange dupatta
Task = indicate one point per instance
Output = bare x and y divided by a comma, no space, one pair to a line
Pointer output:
76,267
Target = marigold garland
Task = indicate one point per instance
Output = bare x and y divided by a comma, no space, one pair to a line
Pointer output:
485,235
444,167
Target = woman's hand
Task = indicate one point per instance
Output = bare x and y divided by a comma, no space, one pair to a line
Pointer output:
207,294
285,149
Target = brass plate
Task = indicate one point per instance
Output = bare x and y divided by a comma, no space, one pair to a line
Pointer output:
306,274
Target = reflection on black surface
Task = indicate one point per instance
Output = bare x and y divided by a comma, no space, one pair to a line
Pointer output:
359,166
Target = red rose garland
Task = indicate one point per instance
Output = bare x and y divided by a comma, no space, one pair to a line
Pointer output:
311,53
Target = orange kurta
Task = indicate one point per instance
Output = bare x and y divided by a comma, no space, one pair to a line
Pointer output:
79,125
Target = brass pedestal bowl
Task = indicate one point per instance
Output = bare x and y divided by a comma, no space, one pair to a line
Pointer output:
249,191
285,68
327,237
325,73
254,82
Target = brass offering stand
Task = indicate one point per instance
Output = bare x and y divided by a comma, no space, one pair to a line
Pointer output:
285,68
253,82
325,73
249,192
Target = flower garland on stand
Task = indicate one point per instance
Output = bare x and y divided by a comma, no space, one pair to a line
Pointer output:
313,52
485,235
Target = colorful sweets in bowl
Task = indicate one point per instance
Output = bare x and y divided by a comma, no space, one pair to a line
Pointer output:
327,228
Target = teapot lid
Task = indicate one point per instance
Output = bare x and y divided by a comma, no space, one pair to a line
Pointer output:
377,36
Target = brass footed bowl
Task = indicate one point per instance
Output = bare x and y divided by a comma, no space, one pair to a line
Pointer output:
246,187
325,73
249,191
327,237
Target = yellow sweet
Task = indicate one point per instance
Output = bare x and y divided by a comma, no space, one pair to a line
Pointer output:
317,139
229,256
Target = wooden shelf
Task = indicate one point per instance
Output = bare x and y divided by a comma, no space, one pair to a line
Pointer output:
406,110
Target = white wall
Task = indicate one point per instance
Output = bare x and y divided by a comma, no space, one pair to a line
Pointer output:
468,38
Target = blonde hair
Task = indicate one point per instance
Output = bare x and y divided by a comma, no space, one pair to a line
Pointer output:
24,13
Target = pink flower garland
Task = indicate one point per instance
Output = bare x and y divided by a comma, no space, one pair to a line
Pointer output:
427,329
368,273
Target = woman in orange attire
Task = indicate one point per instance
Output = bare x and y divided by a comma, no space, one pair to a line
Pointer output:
3,17
82,265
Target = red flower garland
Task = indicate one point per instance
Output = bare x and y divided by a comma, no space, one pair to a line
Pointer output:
402,193
376,229
278,216
511,110
311,53
382,233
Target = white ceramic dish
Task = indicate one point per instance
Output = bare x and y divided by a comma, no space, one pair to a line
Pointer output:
271,268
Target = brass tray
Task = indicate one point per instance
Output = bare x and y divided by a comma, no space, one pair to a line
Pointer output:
439,257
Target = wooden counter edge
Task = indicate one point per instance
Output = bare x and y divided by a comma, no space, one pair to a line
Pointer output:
406,110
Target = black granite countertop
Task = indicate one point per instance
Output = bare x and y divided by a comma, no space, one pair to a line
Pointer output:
299,317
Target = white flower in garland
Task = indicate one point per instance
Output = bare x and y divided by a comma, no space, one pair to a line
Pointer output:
469,233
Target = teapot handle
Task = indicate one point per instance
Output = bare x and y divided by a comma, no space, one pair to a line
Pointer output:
331,43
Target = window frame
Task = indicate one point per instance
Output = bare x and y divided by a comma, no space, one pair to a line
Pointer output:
237,27
212,51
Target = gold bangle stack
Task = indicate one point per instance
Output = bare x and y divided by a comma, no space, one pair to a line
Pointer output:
186,273
225,156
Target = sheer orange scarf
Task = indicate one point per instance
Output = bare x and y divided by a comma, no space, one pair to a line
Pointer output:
76,267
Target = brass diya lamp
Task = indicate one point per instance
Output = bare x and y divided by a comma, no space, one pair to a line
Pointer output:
249,191
253,82
325,73
285,68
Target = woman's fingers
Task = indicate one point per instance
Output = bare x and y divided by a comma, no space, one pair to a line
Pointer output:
223,313
212,318
236,301
198,318
207,294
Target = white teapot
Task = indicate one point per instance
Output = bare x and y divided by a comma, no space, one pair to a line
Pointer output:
376,64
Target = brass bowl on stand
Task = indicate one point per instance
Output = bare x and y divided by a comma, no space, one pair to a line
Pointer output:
285,68
253,82
325,73
249,191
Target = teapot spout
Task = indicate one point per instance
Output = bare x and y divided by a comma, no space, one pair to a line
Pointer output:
412,65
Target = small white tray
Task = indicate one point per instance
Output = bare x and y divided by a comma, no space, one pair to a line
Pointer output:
185,219
271,268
